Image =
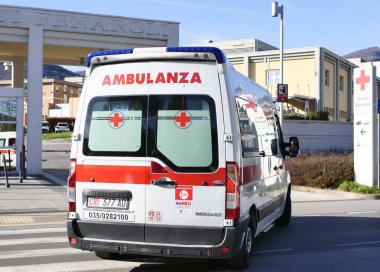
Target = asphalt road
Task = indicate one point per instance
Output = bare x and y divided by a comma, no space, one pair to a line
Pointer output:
55,158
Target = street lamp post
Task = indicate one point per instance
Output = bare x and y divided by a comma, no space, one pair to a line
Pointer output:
276,10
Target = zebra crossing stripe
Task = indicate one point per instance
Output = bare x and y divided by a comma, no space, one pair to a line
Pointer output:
39,230
41,253
98,265
39,240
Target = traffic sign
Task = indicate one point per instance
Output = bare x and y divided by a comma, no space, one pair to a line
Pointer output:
282,92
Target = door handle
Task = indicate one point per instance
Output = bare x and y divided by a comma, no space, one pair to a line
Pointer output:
163,181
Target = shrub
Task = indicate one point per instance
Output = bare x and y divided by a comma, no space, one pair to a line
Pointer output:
321,170
320,115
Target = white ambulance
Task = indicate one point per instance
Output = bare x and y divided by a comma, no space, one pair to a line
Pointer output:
175,153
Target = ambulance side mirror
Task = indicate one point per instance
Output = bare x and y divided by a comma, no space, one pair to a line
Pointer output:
294,147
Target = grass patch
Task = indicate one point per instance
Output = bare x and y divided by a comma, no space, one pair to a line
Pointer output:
354,187
51,136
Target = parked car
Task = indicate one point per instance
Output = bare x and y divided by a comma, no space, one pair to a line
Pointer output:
45,126
8,139
62,127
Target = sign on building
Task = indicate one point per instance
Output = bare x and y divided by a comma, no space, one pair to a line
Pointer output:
365,126
282,92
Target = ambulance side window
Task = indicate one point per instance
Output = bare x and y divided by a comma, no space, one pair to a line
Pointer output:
271,135
248,120
115,126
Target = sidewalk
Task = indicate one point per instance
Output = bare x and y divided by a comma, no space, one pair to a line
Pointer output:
36,194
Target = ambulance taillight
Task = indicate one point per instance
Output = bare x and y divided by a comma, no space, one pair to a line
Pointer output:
71,182
233,194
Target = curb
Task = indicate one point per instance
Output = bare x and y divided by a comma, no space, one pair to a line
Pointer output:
348,195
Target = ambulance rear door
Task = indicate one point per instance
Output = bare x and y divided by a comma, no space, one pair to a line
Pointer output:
111,156
186,178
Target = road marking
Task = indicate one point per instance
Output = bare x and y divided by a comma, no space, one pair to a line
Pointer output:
273,251
42,240
98,265
27,231
358,244
359,212
41,253
337,212
12,220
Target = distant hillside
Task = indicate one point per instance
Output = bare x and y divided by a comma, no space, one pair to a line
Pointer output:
49,71
368,55
81,72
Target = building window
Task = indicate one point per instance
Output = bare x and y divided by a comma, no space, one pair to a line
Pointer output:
273,77
327,77
341,83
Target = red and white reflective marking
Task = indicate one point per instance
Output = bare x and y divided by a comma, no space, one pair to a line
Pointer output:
183,119
116,119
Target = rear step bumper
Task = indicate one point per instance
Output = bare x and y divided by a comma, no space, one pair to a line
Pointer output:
232,240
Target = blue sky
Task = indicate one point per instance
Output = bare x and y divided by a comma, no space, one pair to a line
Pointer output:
342,26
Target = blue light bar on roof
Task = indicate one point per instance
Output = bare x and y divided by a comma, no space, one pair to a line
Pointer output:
107,52
220,57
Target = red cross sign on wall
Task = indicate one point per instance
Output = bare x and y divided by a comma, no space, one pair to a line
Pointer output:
183,119
362,80
116,119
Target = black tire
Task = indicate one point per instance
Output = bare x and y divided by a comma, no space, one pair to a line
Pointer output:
243,258
284,219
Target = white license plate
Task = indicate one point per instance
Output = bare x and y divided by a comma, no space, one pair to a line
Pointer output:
111,215
108,203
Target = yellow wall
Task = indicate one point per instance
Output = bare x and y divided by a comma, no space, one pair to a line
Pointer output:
328,95
239,67
298,73
343,96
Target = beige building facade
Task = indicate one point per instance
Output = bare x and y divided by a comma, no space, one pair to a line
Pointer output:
57,92
318,79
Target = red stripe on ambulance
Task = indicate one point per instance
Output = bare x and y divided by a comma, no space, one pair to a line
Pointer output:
137,174
111,174
148,78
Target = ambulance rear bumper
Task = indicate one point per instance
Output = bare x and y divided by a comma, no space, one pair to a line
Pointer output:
230,245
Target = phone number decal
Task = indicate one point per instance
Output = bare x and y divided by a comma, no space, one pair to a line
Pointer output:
109,216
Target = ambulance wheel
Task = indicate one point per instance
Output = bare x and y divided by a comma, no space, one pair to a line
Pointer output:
107,255
284,219
243,258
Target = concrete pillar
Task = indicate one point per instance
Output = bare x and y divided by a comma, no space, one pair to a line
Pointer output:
246,65
18,74
34,132
18,82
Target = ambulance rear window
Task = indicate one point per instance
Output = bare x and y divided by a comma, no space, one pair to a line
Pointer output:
114,127
183,128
